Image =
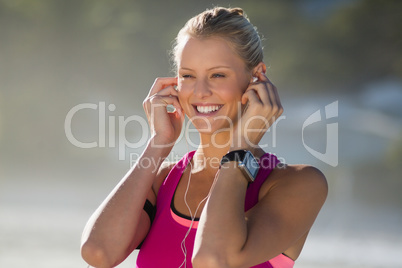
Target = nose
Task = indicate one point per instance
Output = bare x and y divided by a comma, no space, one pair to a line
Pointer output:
202,89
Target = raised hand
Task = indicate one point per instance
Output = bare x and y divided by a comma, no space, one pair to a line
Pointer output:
263,107
165,126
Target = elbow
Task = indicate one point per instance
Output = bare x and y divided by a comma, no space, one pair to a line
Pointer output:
206,261
95,255
211,260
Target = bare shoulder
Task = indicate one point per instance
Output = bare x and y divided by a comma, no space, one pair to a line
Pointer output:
297,178
300,172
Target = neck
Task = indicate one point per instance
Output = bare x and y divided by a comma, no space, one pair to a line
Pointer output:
210,151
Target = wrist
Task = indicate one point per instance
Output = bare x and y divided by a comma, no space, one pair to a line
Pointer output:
244,160
160,142
157,149
241,146
231,169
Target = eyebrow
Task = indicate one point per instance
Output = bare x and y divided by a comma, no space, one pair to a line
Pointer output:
212,68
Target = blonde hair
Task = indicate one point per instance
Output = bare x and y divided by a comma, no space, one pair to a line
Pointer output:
230,24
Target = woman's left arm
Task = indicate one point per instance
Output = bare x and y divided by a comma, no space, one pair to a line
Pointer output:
229,237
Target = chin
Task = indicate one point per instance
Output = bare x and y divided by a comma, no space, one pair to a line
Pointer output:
211,127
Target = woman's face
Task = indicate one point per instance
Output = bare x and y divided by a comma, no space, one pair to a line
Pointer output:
211,81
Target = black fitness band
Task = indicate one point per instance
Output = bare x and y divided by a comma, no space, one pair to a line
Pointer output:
151,211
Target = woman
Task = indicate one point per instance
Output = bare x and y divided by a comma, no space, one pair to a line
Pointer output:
227,204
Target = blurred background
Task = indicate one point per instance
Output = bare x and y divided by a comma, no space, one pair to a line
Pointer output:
104,55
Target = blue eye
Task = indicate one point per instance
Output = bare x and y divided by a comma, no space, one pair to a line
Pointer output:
187,76
218,75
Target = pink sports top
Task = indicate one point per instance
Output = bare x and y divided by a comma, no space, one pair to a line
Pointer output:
163,245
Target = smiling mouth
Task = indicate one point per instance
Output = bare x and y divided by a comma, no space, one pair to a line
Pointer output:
207,109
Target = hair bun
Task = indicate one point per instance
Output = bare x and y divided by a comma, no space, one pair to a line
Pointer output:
237,11
223,12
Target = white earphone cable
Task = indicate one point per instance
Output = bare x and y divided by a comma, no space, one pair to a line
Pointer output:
183,242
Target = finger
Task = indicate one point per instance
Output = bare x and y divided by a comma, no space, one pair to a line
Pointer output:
162,82
271,95
251,96
278,101
159,101
270,88
262,77
167,91
171,92
276,105
262,91
177,113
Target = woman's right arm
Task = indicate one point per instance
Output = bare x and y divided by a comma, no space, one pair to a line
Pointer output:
119,225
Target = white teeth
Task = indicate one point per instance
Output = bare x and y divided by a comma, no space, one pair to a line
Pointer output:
207,109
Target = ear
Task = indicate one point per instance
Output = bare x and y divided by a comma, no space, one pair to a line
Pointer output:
260,68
